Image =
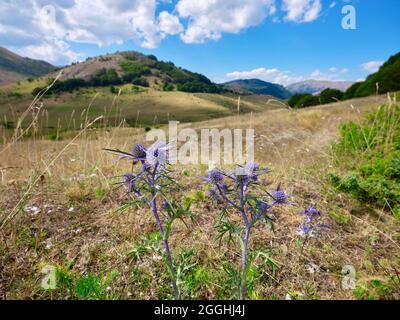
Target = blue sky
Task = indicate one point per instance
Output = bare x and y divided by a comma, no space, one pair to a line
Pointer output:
281,41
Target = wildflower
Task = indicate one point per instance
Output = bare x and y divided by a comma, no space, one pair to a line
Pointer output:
139,152
150,181
251,208
279,197
157,153
311,214
311,224
215,177
129,181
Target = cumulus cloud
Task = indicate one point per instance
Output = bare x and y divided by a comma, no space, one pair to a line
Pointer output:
208,19
48,28
372,66
33,26
301,10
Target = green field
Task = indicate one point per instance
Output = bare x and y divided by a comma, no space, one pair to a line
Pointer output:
135,107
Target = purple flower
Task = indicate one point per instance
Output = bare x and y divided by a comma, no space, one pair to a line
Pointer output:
215,177
279,197
251,170
311,223
129,181
311,214
157,153
139,152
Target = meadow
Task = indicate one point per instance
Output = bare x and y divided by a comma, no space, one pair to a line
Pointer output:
60,207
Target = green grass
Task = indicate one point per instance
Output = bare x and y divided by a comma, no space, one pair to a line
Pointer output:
142,108
369,151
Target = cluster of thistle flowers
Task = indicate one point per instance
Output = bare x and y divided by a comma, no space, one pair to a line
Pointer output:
237,182
312,223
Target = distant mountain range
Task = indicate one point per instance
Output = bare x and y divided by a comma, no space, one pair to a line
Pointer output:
256,86
14,67
317,86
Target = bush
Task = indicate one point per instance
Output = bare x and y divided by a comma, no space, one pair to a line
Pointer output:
303,101
370,153
330,95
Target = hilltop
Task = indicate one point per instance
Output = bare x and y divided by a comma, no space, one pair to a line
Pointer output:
14,67
257,86
135,68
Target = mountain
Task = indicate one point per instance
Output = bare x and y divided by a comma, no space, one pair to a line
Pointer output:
256,86
387,78
14,67
317,86
135,68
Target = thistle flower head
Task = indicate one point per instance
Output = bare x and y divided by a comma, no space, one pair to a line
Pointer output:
279,197
311,224
129,182
215,177
311,214
139,152
157,153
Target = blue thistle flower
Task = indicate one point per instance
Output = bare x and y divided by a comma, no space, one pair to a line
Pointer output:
311,214
129,181
215,177
311,223
279,197
139,152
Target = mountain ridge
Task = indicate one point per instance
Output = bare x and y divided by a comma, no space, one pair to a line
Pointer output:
257,86
14,67
317,86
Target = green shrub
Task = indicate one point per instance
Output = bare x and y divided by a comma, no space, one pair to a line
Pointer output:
370,153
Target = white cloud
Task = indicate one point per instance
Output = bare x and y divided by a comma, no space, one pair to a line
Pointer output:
301,10
35,25
169,24
208,19
48,28
271,75
372,66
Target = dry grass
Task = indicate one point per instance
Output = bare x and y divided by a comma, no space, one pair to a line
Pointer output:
95,238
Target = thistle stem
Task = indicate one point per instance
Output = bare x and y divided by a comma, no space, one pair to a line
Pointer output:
166,247
243,287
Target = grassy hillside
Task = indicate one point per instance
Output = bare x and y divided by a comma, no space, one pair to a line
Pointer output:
139,106
65,211
14,67
131,67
